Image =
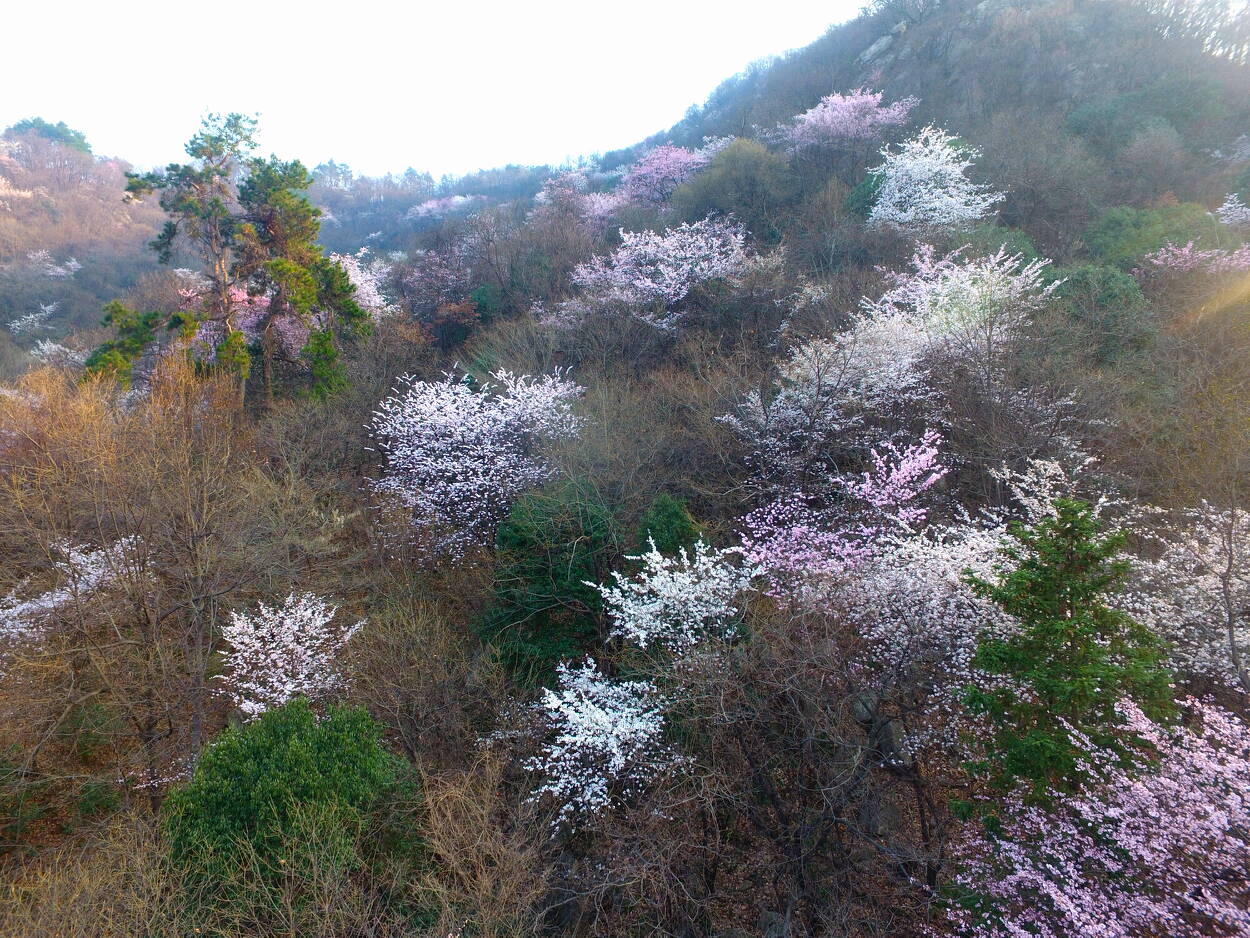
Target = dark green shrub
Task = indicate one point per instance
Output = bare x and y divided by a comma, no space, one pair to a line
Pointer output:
745,180
863,197
668,524
256,780
543,611
1107,316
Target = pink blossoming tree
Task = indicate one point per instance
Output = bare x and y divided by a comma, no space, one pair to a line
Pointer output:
1161,849
855,116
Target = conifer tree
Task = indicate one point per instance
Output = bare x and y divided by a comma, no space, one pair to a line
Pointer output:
1073,658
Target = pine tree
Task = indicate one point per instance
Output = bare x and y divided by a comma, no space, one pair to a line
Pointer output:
1073,657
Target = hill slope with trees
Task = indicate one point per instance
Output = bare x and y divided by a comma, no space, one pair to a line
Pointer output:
828,517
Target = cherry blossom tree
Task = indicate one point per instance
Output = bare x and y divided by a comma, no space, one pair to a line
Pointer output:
368,275
657,175
974,309
457,456
605,741
803,542
80,571
1234,213
673,603
924,187
282,652
1197,592
433,278
1172,260
830,396
1157,850
34,321
842,118
651,272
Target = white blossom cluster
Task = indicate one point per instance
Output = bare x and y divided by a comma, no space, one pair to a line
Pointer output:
52,353
81,571
606,740
973,308
367,275
673,603
924,187
282,652
1234,213
50,268
1196,593
33,322
919,619
827,393
458,456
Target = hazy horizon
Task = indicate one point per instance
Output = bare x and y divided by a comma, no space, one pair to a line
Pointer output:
448,91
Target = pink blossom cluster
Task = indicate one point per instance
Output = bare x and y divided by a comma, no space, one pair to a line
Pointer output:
798,550
1160,849
657,175
899,477
1172,259
651,272
282,652
368,275
457,456
839,118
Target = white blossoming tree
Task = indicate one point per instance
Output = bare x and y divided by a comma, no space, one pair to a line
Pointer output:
605,741
673,603
457,456
924,187
284,651
1197,593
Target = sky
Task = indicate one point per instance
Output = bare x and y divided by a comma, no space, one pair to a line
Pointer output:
444,87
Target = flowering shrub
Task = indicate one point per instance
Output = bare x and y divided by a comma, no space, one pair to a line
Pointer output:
1159,850
925,188
650,273
675,602
972,309
282,652
458,456
1197,593
606,741
81,570
857,115
1234,213
655,177
368,276
1171,260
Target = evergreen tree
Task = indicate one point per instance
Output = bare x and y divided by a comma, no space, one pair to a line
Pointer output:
1073,657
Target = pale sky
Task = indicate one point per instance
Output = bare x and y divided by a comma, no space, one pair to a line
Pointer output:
447,87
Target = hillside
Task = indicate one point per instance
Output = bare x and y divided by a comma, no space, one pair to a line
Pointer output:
827,518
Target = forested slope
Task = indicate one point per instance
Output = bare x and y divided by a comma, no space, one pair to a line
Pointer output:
826,518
